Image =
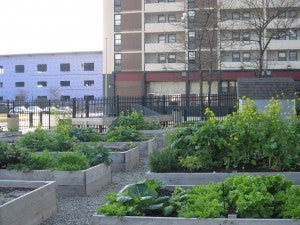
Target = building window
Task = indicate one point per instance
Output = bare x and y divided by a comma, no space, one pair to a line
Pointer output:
246,16
118,40
65,98
19,84
171,0
281,56
236,16
224,86
235,36
192,36
161,19
65,67
246,36
1,70
88,83
41,68
161,58
192,57
1,84
246,57
1,98
65,83
118,59
191,16
281,14
88,66
292,35
117,22
19,68
171,38
236,57
159,1
117,2
89,97
292,14
171,58
42,98
171,18
161,38
42,84
293,56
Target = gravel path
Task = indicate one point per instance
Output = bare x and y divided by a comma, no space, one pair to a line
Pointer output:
79,210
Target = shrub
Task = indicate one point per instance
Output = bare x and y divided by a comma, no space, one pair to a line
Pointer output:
95,153
11,155
39,161
133,119
85,134
70,161
38,140
124,134
163,160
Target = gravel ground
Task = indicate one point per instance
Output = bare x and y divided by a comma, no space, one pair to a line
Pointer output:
79,210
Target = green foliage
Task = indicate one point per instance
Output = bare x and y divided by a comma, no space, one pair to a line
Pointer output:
163,160
249,196
291,203
70,161
124,134
95,153
11,155
247,139
133,119
138,199
38,140
257,196
85,134
203,202
39,161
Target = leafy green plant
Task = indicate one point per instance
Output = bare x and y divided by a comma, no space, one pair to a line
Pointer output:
133,119
138,199
95,153
85,134
10,154
39,161
38,140
163,160
70,161
203,202
124,134
249,196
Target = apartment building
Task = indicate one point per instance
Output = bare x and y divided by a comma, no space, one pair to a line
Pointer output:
51,76
154,47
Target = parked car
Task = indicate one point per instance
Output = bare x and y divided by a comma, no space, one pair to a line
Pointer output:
34,109
18,109
65,109
51,109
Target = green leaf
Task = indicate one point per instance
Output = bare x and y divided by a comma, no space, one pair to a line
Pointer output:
124,198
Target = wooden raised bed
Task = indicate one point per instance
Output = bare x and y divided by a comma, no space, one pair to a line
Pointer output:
74,183
31,208
206,178
138,220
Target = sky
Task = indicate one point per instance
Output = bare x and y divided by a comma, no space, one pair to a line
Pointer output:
48,26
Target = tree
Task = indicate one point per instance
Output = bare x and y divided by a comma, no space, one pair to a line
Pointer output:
266,20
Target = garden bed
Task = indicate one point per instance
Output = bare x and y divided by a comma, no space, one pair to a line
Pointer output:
138,220
75,183
10,136
125,160
33,207
206,178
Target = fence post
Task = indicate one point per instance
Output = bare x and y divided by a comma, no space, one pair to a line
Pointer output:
30,119
164,104
87,108
41,118
74,108
49,114
118,105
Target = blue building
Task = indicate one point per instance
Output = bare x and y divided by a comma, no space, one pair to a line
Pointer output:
51,76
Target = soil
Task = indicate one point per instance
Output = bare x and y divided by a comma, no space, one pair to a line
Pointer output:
8,194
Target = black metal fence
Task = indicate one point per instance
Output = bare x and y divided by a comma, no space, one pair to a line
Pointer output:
45,113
